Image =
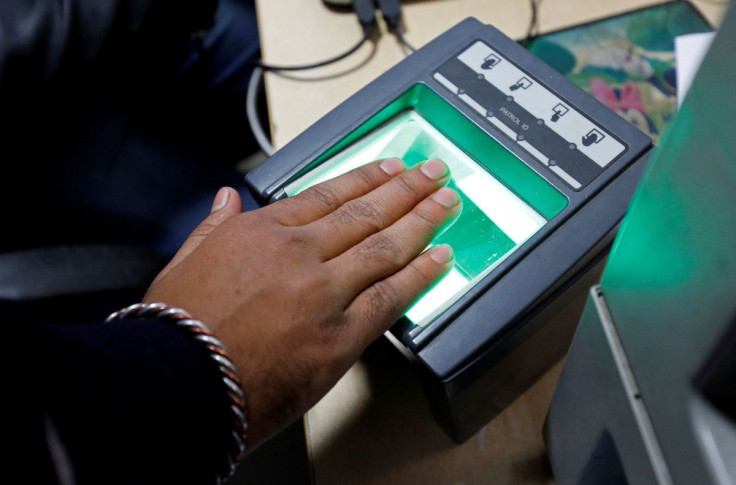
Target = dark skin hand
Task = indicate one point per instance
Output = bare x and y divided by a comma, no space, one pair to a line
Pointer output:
298,289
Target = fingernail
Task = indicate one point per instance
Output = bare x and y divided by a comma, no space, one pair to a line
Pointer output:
392,166
434,169
446,197
220,199
442,254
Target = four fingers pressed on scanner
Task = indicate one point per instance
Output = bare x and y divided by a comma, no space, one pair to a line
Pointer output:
371,226
368,214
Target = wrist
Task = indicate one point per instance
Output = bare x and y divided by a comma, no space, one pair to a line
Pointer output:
228,372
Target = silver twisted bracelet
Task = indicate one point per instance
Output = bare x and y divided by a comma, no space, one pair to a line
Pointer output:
228,373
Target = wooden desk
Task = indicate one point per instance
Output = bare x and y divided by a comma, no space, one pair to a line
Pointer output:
374,427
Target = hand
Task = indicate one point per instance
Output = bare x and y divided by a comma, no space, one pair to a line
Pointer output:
298,289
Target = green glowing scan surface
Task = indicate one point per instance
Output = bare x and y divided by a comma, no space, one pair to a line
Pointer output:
493,223
504,201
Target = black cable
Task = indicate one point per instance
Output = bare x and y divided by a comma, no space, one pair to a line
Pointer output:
403,41
366,13
391,13
533,30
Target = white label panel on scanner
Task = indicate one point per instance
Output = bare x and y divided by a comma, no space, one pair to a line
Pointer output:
569,124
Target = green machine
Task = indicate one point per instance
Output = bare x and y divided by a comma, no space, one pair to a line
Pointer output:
545,173
648,390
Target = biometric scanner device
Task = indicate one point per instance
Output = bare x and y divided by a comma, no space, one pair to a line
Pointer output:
545,173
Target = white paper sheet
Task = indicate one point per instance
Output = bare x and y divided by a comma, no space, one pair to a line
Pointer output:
690,50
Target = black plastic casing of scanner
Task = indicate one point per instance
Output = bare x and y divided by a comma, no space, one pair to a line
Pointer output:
495,341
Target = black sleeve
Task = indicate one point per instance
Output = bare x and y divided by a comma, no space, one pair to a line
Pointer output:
120,402
41,40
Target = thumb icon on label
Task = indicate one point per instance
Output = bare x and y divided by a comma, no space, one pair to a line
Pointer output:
521,83
559,111
490,61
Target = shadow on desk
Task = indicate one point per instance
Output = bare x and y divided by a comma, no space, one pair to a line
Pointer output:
391,438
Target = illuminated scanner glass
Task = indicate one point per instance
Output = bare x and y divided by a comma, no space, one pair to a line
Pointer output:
494,220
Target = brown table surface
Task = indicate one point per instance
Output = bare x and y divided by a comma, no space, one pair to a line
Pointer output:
374,427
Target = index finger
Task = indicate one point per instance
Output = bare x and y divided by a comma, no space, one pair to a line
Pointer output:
324,198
